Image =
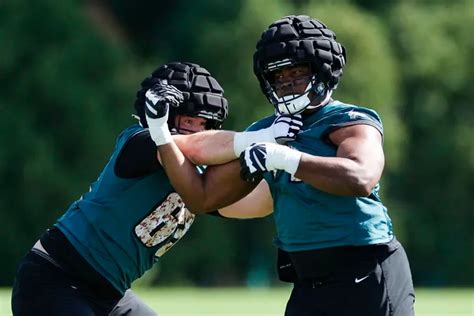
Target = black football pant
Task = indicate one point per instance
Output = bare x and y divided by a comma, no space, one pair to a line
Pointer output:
42,288
380,285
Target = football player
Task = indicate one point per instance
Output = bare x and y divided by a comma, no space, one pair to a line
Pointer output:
334,234
86,263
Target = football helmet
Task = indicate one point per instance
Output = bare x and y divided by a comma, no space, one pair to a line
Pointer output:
203,95
295,40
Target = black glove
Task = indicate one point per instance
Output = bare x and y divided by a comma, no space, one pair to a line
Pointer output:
159,97
252,162
157,101
259,158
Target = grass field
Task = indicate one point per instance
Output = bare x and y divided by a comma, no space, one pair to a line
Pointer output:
269,302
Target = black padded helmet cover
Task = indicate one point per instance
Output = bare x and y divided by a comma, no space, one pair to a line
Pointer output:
297,39
203,95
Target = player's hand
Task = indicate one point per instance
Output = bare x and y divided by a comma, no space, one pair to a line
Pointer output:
159,97
283,129
253,162
157,102
259,158
286,127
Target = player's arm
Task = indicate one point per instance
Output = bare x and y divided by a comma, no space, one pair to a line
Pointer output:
258,203
209,147
354,171
215,147
217,187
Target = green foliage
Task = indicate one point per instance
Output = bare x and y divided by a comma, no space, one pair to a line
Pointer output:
59,96
67,89
438,176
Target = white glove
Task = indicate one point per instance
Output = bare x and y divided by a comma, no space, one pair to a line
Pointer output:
284,129
157,101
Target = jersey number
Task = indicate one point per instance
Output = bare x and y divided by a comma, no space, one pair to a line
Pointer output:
165,225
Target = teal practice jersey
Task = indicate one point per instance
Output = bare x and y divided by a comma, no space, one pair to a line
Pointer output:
307,218
122,226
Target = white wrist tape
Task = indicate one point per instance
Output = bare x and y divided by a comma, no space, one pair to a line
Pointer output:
244,139
283,158
159,131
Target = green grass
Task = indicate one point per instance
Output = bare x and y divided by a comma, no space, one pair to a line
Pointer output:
266,302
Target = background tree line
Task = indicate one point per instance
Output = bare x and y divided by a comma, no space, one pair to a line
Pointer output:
69,71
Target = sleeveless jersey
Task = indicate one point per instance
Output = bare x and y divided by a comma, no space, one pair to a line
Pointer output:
307,218
122,226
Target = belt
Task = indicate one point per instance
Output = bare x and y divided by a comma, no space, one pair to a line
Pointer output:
317,282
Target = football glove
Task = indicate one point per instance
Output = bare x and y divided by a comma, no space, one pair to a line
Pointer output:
284,129
259,158
157,102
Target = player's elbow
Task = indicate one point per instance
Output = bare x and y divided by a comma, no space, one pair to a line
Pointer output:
200,206
196,208
363,183
194,154
362,190
190,147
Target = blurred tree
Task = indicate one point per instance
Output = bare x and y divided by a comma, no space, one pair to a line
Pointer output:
171,28
61,94
67,84
437,180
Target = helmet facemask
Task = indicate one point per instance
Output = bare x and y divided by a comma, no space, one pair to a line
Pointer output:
213,121
207,105
288,96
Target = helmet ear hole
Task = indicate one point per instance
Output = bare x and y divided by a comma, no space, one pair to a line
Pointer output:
203,95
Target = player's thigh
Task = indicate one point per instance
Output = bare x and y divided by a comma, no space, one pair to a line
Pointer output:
365,293
398,282
132,305
40,289
303,301
341,300
385,290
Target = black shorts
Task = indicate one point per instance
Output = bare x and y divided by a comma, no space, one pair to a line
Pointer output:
376,283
